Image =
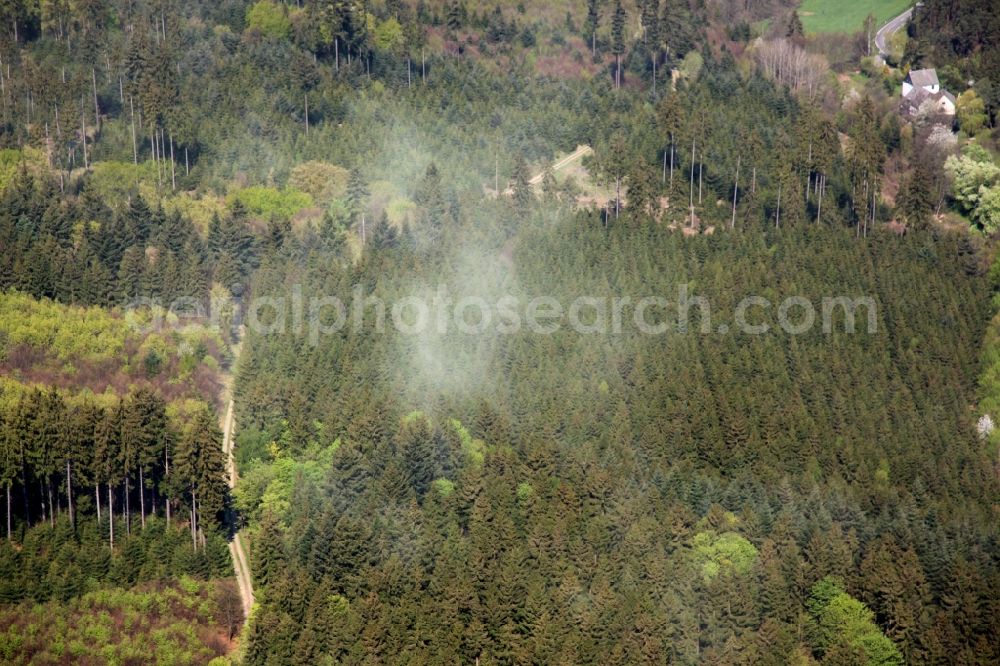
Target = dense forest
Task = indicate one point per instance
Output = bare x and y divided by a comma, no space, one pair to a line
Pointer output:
702,495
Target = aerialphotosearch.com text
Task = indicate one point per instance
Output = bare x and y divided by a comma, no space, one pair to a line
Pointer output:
440,312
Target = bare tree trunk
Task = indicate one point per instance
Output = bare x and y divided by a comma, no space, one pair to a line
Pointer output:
142,499
194,522
691,187
97,108
69,495
9,531
135,146
307,113
173,174
777,215
128,508
819,191
97,499
83,122
672,150
618,195
166,466
111,518
701,179
736,190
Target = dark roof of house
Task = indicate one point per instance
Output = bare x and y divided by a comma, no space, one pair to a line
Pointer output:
923,77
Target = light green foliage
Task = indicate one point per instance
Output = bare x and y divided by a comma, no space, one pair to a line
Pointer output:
842,619
69,332
974,175
11,160
444,487
270,19
269,485
157,625
400,210
723,553
267,202
971,112
987,213
320,180
113,182
474,449
198,208
389,36
691,66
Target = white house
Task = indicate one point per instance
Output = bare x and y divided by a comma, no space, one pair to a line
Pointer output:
926,79
923,95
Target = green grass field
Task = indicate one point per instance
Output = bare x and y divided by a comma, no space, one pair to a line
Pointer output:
847,15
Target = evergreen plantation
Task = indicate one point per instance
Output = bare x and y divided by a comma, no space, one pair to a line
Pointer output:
701,495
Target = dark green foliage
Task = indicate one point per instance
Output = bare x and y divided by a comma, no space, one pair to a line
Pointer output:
598,469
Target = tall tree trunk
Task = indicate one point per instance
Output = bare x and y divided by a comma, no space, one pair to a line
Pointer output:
97,499
97,108
83,122
701,179
736,190
777,214
69,494
24,496
194,521
820,186
135,146
111,518
173,175
672,151
48,490
618,195
166,465
9,537
691,187
142,499
128,509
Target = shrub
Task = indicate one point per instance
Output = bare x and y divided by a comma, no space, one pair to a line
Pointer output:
269,19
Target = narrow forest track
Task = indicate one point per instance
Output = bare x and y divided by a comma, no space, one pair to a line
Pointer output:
575,155
236,552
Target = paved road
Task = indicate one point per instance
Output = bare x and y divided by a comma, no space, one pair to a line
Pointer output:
886,32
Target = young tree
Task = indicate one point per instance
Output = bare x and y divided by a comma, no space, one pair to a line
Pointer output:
199,464
916,200
618,40
592,24
521,185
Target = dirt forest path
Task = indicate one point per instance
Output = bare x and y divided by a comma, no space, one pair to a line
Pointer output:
572,157
240,563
